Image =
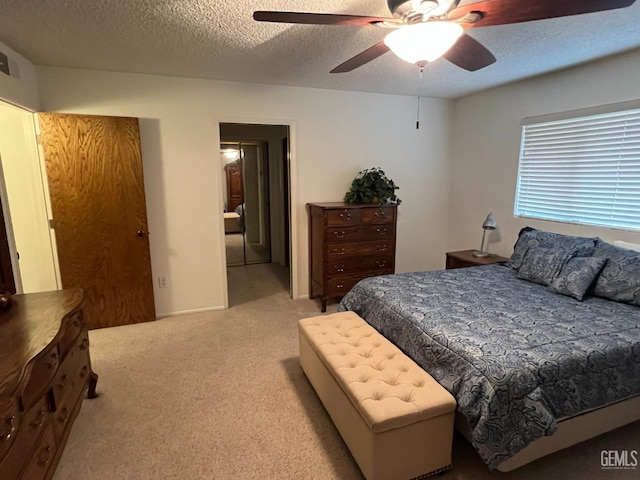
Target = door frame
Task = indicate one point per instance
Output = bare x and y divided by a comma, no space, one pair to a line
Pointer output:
13,248
294,291
8,228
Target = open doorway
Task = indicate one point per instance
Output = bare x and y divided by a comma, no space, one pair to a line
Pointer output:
246,211
254,159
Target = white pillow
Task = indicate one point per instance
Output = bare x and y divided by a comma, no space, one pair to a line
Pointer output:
628,245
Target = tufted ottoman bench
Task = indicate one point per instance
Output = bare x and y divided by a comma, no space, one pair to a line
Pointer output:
396,420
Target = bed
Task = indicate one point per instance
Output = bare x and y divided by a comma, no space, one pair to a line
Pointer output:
533,368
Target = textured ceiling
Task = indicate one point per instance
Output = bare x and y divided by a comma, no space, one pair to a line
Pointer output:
220,40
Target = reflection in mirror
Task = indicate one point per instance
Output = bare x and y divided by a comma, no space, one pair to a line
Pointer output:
246,207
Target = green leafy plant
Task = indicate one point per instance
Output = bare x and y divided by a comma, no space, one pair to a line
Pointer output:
372,186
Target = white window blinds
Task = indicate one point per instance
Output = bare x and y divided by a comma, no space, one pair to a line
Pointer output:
582,170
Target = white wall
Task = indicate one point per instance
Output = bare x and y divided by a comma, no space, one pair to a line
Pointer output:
485,153
334,134
21,88
27,208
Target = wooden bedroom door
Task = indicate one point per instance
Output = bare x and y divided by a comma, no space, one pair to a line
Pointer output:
94,170
235,195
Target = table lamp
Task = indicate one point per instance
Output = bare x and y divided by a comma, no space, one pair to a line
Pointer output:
489,224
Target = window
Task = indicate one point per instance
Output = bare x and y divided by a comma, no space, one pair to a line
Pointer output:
583,170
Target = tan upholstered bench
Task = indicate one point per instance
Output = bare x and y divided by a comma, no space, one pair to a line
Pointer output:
396,420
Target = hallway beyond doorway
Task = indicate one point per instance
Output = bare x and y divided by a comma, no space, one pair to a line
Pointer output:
248,283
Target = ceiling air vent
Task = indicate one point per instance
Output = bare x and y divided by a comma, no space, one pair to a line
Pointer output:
4,64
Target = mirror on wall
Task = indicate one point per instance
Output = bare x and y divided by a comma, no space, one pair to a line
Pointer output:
246,205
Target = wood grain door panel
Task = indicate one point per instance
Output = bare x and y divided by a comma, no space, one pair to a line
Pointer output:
94,169
235,195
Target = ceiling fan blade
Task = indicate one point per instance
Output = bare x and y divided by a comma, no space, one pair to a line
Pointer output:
501,12
319,18
369,54
469,54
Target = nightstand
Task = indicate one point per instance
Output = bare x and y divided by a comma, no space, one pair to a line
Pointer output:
465,258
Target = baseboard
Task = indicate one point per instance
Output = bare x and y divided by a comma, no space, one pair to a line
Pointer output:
187,312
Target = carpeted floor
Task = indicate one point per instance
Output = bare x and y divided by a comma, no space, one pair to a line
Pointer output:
239,254
220,395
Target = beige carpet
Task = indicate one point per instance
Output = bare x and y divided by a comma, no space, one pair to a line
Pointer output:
239,254
220,395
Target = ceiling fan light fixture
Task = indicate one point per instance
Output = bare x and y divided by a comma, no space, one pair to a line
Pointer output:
230,154
432,7
423,42
424,6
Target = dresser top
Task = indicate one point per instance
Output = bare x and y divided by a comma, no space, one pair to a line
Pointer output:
29,325
349,205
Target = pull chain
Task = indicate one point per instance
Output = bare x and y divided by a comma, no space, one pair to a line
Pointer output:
419,89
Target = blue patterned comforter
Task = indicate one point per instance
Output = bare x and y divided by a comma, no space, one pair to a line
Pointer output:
516,356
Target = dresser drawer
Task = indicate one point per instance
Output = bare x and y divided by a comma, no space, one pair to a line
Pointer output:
357,265
378,215
9,425
43,370
41,461
73,374
337,251
340,285
343,217
72,326
360,233
34,422
64,415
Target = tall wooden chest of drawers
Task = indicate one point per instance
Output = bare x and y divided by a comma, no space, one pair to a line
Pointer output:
347,243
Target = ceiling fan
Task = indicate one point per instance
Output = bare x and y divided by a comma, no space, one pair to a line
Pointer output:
424,30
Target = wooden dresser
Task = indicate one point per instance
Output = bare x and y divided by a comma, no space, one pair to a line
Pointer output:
347,243
45,369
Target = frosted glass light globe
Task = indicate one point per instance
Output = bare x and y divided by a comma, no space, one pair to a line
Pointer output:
423,42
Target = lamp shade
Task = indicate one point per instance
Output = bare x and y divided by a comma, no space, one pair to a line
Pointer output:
423,42
490,222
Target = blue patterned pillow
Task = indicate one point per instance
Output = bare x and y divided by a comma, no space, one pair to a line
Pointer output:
620,278
531,237
542,265
577,276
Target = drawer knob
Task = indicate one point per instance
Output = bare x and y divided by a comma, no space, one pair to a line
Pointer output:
340,268
381,263
381,231
63,415
11,423
345,216
38,423
340,285
339,234
339,251
63,381
53,360
381,248
45,456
